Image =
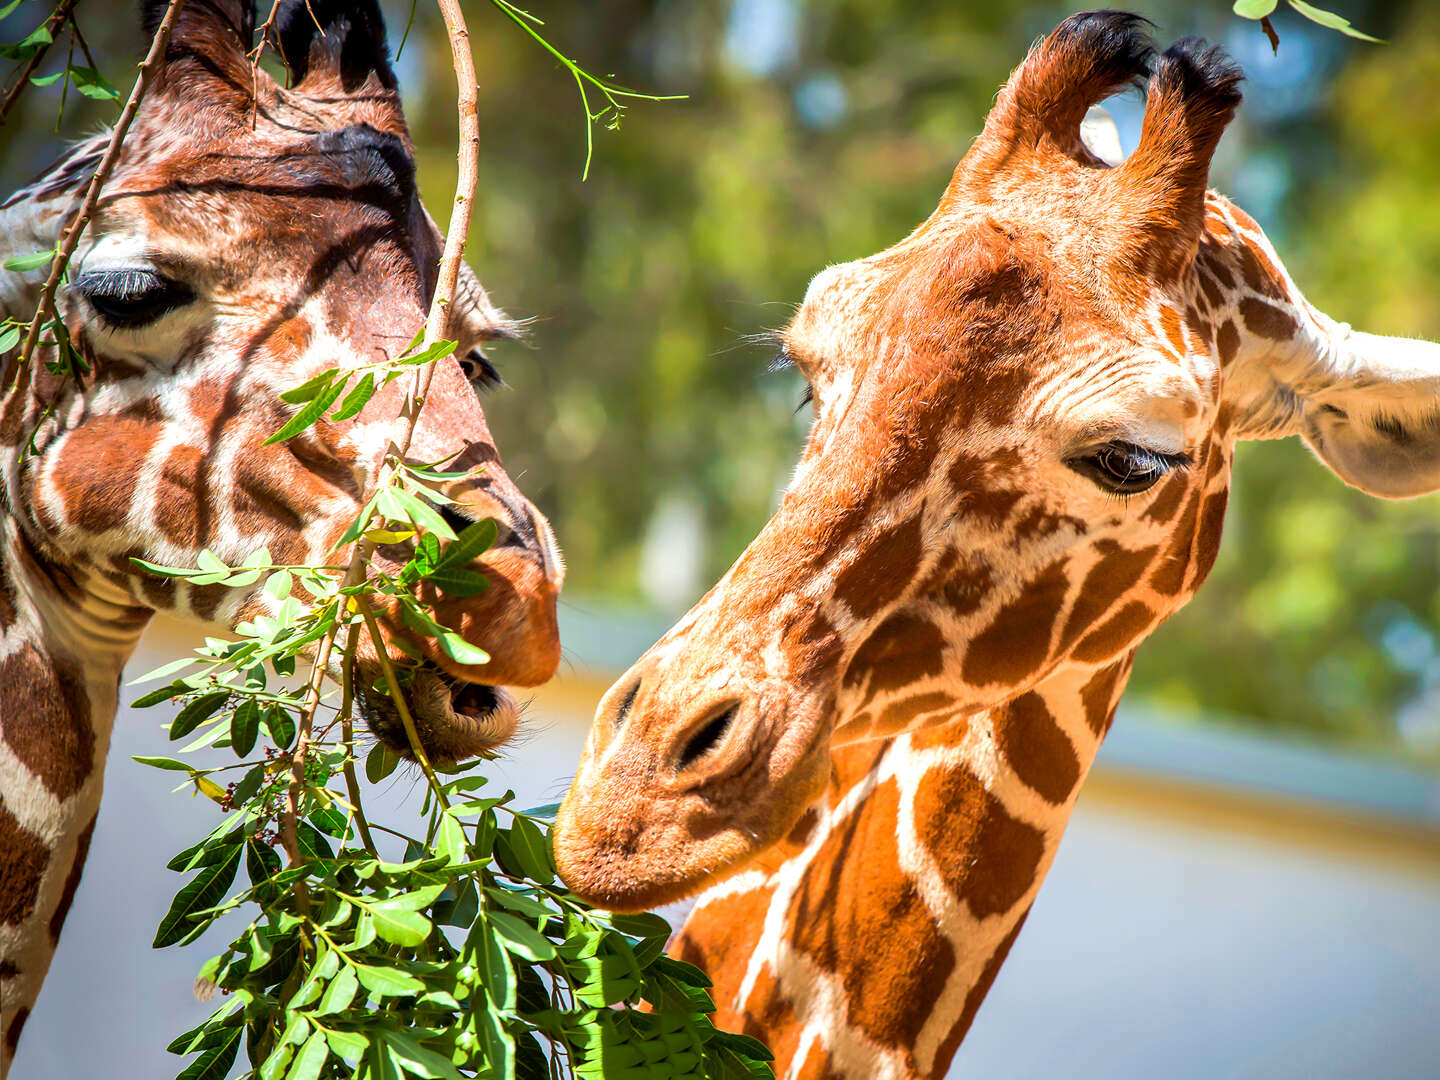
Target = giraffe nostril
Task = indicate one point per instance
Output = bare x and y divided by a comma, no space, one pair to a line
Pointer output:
454,518
705,738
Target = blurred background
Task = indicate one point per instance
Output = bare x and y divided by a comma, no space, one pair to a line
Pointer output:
1251,886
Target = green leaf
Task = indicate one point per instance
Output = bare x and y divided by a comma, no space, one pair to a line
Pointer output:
380,763
398,927
355,400
1331,20
460,650
165,571
313,844
1254,9
205,890
450,840
520,937
458,583
533,850
92,84
472,542
415,900
9,8
245,726
417,1059
216,1056
163,763
9,338
311,1058
311,412
22,263
744,1045
311,388
496,973
406,504
339,994
425,356
47,80
642,925
350,1045
197,712
280,724
388,982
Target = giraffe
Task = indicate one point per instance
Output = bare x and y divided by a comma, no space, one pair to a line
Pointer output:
867,738
251,236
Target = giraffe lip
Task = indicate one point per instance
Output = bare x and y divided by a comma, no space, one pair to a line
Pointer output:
454,719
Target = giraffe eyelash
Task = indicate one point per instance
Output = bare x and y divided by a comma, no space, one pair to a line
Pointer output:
784,360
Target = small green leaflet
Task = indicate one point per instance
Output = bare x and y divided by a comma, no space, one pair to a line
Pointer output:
206,890
22,263
311,412
1254,9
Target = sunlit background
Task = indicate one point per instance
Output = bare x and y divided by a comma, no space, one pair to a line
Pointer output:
1251,886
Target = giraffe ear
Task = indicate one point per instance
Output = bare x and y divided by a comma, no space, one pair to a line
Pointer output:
1037,117
1367,405
334,39
1376,423
1159,191
210,44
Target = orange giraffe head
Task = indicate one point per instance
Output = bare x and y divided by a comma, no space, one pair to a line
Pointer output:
1024,419
251,236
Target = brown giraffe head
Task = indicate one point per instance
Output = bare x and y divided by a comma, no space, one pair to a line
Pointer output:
1024,417
251,236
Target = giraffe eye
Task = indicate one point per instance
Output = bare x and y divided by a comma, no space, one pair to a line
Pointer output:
1127,469
130,298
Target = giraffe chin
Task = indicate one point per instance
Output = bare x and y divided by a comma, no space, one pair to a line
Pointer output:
455,719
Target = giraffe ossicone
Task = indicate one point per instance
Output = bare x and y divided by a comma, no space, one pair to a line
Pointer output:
871,731
251,236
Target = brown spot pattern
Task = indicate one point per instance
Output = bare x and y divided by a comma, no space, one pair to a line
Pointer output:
23,857
881,571
899,715
47,722
1115,573
903,649
1115,633
1207,536
1267,320
1017,640
1097,697
1038,751
12,1033
100,468
891,980
987,858
973,1000
1168,577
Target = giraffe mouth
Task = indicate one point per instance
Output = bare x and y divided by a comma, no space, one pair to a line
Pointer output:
455,719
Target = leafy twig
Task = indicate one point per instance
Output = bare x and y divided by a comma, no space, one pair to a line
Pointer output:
63,13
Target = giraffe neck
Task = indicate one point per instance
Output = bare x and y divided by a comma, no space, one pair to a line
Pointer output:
864,946
65,635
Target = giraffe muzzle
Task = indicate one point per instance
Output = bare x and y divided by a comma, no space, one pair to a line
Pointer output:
454,719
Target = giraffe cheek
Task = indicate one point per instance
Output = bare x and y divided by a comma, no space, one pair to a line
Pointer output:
96,470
